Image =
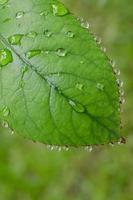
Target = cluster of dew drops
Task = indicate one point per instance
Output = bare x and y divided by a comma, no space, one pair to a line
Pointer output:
6,58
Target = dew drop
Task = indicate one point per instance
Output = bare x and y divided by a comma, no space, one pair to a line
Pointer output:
59,9
32,53
77,106
2,2
5,124
111,144
19,14
119,82
47,33
5,57
61,52
89,148
15,39
44,13
100,86
32,34
70,34
79,86
6,111
85,24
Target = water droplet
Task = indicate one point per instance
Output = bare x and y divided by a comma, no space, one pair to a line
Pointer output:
89,148
5,111
12,132
77,106
85,24
5,57
111,144
119,82
47,33
51,148
70,34
122,140
44,13
15,39
66,148
79,86
32,53
32,34
61,52
19,14
59,9
3,2
59,149
100,86
5,124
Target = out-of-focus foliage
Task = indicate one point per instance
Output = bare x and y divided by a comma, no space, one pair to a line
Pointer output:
30,172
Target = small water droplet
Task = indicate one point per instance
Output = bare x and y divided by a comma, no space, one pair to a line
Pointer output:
59,9
5,111
66,148
70,34
77,106
19,14
89,148
51,148
47,33
44,13
5,57
119,82
85,24
100,86
32,34
61,52
79,86
2,2
122,140
15,39
12,132
5,124
59,149
111,144
32,53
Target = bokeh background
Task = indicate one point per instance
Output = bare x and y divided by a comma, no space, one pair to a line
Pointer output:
28,171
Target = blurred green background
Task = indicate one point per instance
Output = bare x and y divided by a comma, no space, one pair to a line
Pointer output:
28,171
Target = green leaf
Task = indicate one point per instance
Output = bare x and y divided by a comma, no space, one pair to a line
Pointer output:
56,85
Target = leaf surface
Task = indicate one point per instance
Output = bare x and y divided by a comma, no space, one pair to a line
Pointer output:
56,85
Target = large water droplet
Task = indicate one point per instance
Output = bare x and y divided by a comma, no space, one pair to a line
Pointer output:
3,2
70,34
100,86
5,57
32,34
59,9
19,14
79,86
32,53
47,33
15,39
61,52
77,106
5,111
